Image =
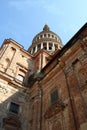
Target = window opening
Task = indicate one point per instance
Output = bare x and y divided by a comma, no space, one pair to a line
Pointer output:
20,77
50,46
14,108
44,46
54,96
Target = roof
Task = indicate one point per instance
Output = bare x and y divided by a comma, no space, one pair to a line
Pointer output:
69,44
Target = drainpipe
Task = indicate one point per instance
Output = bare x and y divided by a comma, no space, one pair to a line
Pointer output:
41,94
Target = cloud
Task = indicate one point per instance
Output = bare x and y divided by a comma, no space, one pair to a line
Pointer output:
43,4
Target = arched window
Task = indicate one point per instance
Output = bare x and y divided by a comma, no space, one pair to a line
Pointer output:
39,46
37,38
50,46
44,35
44,46
48,35
52,36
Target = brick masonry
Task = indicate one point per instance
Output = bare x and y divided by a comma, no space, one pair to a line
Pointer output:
66,73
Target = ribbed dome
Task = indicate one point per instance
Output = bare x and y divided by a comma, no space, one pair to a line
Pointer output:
46,40
46,34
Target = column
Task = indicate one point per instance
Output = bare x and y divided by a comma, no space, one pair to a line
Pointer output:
42,45
53,47
47,46
36,48
32,51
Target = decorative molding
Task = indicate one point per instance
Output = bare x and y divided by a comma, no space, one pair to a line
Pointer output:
54,108
3,89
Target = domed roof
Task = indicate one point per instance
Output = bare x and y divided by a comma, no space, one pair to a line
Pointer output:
46,28
46,40
45,35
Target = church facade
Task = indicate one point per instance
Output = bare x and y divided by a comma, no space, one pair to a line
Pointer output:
44,87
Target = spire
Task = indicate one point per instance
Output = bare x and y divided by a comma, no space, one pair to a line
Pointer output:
46,28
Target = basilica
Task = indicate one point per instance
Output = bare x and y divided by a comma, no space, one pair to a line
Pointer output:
44,87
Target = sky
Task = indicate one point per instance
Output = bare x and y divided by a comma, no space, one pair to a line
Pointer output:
21,20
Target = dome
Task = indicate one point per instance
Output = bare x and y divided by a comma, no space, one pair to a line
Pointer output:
47,40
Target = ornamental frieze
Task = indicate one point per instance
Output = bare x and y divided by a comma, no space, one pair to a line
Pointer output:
4,88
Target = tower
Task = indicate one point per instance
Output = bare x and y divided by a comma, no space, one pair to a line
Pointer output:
43,47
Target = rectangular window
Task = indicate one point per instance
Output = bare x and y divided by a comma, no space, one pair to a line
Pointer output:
20,77
14,108
54,96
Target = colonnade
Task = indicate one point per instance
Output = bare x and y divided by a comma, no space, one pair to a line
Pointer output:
48,46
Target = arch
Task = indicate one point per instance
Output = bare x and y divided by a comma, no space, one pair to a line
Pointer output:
50,46
48,35
45,35
45,46
39,46
52,36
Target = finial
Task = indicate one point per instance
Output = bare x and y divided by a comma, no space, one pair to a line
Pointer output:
46,28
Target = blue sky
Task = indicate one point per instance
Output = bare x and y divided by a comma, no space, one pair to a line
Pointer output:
21,20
